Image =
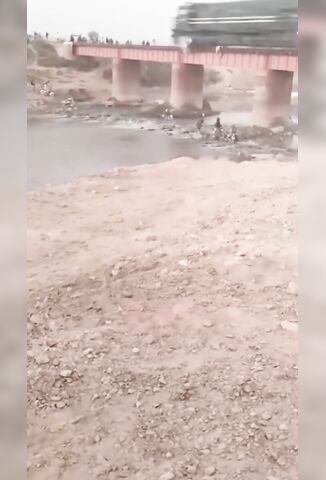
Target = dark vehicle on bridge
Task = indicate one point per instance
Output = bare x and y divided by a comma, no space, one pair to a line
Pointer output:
246,23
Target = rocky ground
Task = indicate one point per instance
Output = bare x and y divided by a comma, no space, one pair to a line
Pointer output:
162,327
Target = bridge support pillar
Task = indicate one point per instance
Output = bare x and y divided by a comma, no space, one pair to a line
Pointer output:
273,100
65,50
187,85
126,80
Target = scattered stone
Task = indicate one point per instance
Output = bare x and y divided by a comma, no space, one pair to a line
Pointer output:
169,455
208,324
66,373
289,326
119,188
69,102
42,359
241,456
60,405
183,263
241,254
292,288
281,461
266,416
167,476
127,294
231,348
55,398
115,270
76,420
36,319
135,350
162,381
283,427
210,471
140,225
192,469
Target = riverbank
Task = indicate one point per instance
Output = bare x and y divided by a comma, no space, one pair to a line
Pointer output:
162,329
62,149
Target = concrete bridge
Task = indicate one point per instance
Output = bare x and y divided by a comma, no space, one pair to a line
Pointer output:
272,100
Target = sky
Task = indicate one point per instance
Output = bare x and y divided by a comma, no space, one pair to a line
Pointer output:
122,20
136,20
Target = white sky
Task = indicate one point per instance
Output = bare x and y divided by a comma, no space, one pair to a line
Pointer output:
120,19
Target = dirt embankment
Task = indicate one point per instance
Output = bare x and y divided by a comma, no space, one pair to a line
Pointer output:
43,54
163,324
52,79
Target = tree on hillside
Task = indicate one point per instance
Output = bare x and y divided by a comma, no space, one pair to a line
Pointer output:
93,36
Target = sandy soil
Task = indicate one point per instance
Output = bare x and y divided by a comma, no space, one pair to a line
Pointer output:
162,329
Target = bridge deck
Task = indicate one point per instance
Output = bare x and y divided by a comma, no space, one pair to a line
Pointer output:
235,57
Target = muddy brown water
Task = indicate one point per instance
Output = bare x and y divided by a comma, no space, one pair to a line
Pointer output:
61,151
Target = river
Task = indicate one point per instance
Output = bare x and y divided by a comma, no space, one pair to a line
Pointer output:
60,151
